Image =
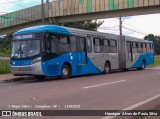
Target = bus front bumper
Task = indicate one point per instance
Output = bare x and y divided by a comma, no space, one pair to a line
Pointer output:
34,69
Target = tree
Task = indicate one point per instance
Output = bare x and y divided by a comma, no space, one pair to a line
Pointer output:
156,42
86,25
5,44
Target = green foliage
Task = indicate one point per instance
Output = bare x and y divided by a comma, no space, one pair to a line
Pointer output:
156,42
5,66
5,52
86,25
156,61
5,45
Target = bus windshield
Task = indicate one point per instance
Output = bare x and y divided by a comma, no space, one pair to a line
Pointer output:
25,48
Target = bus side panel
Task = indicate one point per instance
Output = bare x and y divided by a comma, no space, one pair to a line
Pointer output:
113,58
147,57
81,67
99,60
53,67
130,64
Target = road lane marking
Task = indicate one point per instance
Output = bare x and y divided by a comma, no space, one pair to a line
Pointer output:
93,86
34,84
135,105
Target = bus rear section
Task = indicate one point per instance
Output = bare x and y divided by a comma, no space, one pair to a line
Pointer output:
139,54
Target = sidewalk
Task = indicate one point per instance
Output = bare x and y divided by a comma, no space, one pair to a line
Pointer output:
4,58
7,77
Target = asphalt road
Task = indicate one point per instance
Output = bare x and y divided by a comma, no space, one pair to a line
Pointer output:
115,91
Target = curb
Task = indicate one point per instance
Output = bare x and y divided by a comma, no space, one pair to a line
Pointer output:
11,78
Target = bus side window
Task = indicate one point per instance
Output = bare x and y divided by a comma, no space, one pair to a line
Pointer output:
64,45
148,48
105,45
139,47
73,43
52,44
129,51
152,48
128,47
80,44
97,45
89,45
134,47
144,47
113,46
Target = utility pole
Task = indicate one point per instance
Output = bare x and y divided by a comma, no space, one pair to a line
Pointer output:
121,64
42,11
120,27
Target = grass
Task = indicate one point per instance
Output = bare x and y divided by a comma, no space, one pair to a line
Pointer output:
5,66
156,62
5,51
4,54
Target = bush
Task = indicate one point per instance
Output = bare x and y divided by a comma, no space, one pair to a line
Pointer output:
5,52
5,66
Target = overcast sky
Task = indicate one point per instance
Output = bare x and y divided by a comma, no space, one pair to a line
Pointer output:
137,26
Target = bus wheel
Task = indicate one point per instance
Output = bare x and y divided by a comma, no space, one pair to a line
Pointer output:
143,66
66,72
107,68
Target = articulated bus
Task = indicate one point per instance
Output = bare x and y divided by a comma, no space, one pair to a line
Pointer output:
57,51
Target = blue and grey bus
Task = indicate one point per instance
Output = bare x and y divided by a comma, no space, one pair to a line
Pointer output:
51,51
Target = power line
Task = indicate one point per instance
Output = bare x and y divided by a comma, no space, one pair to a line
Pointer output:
134,27
134,30
120,27
124,19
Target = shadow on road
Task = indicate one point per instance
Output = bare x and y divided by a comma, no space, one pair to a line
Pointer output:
30,79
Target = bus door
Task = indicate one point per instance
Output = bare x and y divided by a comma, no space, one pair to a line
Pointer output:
122,53
129,55
82,54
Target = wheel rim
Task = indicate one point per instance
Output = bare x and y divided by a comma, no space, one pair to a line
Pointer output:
65,71
143,66
107,69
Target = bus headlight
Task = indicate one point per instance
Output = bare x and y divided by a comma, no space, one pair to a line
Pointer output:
36,60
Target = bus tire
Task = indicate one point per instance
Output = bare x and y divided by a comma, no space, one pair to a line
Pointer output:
143,66
124,69
39,78
107,68
65,72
